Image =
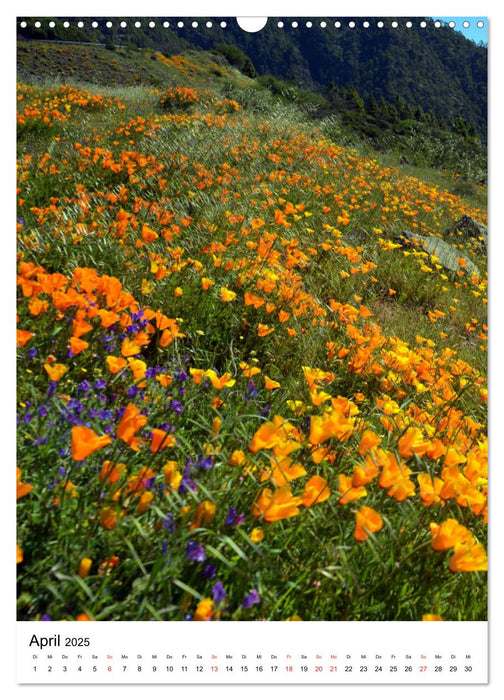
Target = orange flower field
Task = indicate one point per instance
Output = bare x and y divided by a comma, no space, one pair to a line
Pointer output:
243,392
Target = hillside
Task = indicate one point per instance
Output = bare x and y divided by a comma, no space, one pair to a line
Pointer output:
252,354
97,65
409,135
433,68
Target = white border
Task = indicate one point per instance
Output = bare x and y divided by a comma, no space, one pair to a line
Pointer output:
269,8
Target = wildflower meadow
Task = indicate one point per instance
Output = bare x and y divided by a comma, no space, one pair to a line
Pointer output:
249,385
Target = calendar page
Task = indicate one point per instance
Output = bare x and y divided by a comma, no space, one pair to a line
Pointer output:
252,335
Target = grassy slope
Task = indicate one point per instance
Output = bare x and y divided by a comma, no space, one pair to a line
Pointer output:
221,175
96,65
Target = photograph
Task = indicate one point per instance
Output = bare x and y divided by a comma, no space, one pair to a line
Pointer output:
252,333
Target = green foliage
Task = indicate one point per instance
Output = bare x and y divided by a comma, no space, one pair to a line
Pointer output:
237,58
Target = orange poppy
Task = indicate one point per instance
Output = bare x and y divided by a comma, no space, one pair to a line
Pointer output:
77,345
469,556
367,521
219,382
112,472
108,518
85,441
115,364
129,348
21,489
263,330
449,534
204,610
55,372
131,421
270,383
22,337
276,505
316,491
369,440
227,294
161,440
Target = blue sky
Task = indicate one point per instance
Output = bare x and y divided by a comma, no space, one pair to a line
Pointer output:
473,32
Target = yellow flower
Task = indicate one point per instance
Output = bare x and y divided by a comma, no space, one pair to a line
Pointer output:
216,426
449,534
256,535
468,556
204,610
219,382
85,566
227,294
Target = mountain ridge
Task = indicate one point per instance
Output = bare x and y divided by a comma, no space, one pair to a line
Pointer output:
432,67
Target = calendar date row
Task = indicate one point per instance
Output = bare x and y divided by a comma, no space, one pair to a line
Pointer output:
253,669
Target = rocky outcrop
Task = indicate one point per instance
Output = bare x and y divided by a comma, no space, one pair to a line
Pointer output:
449,256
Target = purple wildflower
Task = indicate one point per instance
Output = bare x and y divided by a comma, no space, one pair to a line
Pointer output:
205,462
251,599
168,523
195,551
209,571
187,484
120,412
218,592
181,376
41,440
176,406
231,516
84,387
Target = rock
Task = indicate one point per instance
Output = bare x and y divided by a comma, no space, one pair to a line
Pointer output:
448,255
470,228
408,239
